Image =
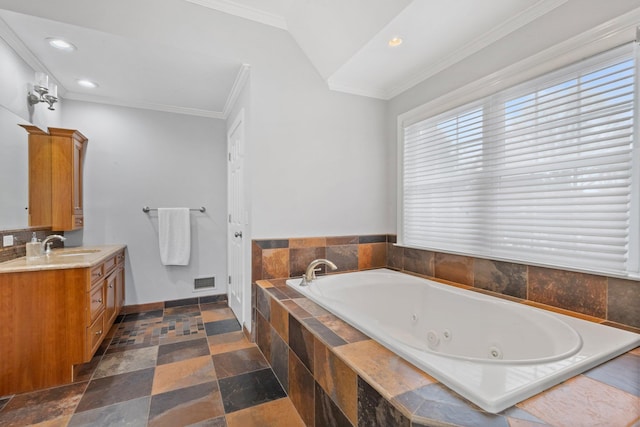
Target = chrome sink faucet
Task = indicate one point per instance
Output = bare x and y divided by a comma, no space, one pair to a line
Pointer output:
46,243
310,272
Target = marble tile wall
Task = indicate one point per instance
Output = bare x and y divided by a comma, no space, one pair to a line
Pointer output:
281,258
614,301
20,239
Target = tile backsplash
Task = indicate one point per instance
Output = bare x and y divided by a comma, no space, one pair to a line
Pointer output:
613,301
20,238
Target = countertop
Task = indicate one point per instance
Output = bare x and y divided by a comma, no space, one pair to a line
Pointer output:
72,257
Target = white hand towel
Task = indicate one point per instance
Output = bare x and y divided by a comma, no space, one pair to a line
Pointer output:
174,235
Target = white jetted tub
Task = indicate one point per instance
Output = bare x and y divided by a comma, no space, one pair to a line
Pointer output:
494,352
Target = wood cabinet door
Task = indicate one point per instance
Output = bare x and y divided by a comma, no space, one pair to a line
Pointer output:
119,288
78,148
110,298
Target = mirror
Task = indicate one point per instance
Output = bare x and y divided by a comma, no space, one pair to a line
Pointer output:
14,172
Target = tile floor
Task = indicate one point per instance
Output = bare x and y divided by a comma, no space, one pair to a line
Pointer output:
187,365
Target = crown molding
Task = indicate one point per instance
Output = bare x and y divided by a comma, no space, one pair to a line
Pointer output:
238,85
243,11
608,35
520,20
369,92
144,105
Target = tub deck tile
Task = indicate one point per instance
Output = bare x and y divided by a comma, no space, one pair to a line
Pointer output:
296,310
391,374
457,415
265,283
582,401
520,418
311,307
342,328
276,292
623,373
436,392
290,292
326,334
435,402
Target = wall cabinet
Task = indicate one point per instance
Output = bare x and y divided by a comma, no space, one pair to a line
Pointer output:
39,177
67,159
56,162
55,320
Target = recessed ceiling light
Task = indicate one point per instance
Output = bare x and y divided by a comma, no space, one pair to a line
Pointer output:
394,42
87,83
61,44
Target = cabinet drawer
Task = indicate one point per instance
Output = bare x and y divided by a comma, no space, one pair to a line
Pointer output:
96,302
95,333
109,265
97,273
120,258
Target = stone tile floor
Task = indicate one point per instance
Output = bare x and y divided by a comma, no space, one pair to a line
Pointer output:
188,365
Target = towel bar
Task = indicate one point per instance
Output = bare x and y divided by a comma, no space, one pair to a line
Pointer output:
146,209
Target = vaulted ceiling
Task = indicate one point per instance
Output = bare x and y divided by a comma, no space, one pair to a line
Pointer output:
134,48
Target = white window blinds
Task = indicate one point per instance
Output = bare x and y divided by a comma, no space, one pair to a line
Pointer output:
543,173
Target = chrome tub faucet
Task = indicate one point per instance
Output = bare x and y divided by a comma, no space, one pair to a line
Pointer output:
310,272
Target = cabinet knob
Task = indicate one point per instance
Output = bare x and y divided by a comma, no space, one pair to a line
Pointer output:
99,332
110,286
98,300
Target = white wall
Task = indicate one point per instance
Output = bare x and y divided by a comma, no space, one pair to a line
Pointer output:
15,76
319,158
136,158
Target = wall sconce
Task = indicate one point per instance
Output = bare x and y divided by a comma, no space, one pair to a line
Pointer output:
46,92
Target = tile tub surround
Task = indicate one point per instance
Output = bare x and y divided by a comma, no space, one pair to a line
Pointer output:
336,375
20,239
615,302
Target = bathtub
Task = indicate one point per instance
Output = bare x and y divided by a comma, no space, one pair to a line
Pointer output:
494,352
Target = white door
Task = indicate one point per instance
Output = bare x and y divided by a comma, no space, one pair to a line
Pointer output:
236,217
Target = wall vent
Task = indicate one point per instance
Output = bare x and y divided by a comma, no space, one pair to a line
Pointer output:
204,283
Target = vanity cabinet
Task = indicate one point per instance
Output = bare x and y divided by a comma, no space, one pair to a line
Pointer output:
54,320
102,301
56,161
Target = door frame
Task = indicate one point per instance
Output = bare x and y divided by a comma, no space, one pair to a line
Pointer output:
239,121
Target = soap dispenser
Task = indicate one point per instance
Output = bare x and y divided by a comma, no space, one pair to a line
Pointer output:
34,248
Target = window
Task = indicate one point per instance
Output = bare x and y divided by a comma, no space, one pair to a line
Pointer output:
542,173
